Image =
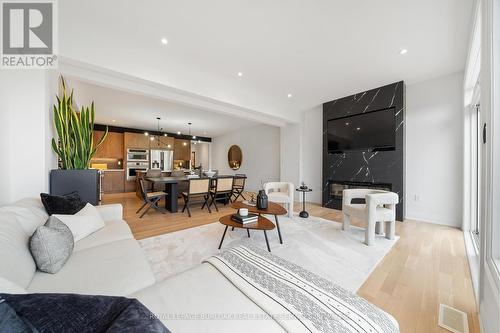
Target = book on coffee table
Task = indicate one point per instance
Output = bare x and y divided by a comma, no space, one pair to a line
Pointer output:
245,219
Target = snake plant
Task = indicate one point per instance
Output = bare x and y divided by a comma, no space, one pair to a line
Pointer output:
75,130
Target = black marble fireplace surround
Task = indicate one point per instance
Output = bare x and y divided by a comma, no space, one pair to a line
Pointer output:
372,169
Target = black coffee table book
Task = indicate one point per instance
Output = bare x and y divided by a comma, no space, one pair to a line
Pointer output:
245,219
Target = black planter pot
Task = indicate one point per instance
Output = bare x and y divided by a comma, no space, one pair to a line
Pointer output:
85,182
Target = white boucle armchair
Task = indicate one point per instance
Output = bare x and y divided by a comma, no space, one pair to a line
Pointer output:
380,207
281,192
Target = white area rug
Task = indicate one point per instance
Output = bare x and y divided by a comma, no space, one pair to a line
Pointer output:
314,243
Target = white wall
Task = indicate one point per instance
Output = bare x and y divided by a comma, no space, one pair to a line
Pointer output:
260,146
434,129
290,143
312,152
25,98
202,154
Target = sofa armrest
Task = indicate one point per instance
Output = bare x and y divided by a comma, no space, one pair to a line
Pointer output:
112,212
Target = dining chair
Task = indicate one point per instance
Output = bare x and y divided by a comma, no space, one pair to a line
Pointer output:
182,186
197,188
150,199
223,191
238,186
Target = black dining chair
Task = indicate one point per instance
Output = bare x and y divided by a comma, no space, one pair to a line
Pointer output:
197,188
222,191
238,187
150,199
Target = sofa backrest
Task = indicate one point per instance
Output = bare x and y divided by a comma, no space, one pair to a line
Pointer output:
17,223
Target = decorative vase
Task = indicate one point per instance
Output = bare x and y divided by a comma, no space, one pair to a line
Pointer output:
262,200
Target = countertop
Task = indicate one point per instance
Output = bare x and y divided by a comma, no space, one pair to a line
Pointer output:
113,170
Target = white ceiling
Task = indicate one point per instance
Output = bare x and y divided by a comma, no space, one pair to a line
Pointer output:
140,112
316,50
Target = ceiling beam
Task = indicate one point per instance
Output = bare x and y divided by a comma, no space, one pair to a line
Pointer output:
116,80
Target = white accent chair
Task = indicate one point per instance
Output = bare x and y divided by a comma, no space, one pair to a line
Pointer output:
380,207
282,193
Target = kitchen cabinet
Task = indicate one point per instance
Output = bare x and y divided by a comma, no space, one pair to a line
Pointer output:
136,140
112,147
182,150
113,181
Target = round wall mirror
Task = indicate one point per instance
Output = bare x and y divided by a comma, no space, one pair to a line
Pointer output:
234,157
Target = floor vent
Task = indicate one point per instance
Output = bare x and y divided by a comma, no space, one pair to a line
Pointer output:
452,319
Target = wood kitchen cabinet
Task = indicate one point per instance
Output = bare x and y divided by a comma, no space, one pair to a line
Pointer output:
113,181
112,147
182,150
136,140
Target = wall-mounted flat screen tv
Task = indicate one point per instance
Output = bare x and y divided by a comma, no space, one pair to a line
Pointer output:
372,131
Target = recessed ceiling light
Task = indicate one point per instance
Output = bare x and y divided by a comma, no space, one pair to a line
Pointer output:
403,51
240,74
358,128
114,120
347,124
194,137
289,95
178,133
164,41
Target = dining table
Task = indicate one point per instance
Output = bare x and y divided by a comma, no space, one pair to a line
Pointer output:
172,189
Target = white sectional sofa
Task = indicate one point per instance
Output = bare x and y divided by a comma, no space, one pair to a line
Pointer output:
108,262
111,262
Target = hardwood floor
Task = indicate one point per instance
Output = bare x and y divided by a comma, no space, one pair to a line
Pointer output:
427,266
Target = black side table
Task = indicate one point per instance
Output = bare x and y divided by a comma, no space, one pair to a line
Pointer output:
303,213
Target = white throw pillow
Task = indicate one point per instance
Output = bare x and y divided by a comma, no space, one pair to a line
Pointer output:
85,222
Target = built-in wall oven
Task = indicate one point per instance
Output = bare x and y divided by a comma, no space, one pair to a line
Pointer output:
134,167
137,155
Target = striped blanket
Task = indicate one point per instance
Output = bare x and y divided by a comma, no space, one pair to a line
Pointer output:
297,299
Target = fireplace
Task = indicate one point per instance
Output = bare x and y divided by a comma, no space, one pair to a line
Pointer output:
354,167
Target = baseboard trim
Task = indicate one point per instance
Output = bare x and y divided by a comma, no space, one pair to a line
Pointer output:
417,219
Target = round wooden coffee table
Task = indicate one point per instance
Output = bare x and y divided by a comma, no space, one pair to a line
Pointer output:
261,224
272,209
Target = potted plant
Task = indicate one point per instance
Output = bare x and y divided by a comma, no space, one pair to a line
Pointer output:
75,148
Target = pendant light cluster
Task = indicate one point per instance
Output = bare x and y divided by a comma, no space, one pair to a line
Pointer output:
157,137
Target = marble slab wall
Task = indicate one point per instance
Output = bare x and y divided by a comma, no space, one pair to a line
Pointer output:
367,166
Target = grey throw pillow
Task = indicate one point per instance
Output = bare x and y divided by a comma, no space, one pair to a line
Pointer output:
51,245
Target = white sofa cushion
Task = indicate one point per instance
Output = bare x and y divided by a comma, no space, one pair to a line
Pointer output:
204,291
9,287
16,262
112,212
117,268
83,223
113,231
